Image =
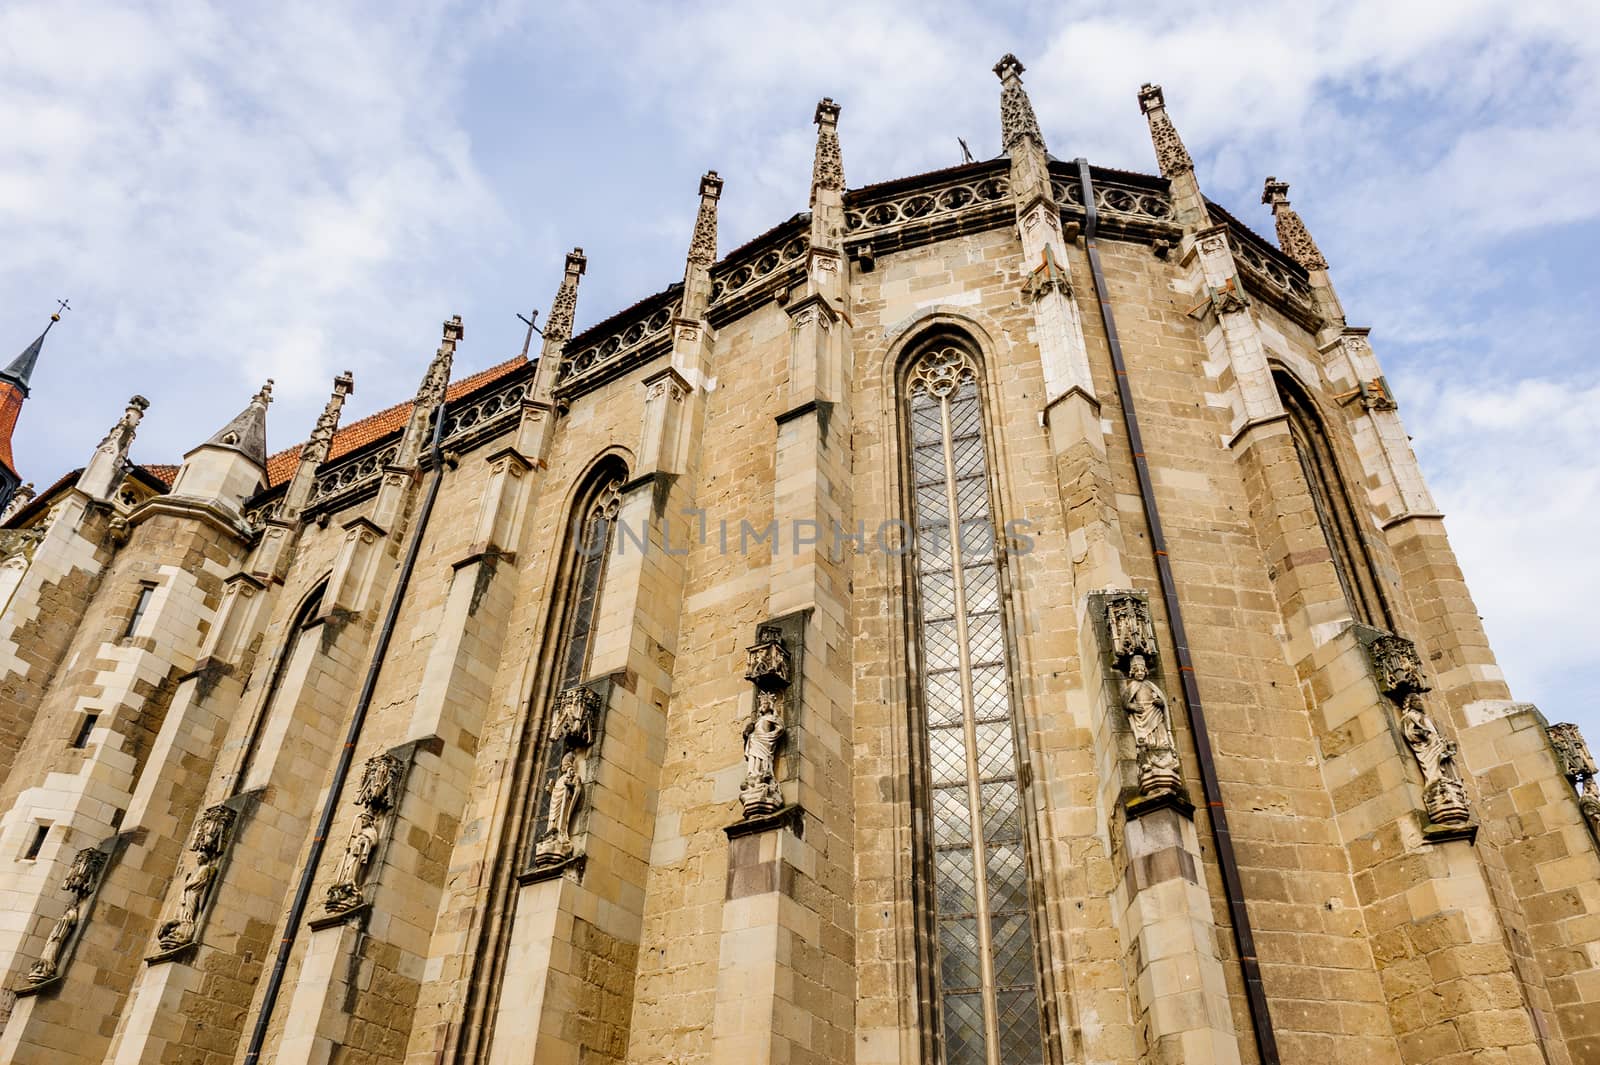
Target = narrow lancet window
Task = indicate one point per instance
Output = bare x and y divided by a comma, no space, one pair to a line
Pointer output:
985,976
570,726
1335,512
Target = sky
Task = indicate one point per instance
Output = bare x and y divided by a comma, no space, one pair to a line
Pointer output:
231,192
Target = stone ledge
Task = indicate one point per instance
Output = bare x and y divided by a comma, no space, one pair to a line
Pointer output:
1140,805
177,953
328,920
1432,833
539,874
792,817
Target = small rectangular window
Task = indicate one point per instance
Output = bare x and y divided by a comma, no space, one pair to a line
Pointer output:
36,844
145,592
82,738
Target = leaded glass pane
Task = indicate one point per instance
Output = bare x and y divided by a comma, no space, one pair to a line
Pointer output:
952,819
987,970
1020,1040
958,948
963,1030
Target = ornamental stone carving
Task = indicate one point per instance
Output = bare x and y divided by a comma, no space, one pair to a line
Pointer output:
1130,629
1398,666
1293,237
1017,119
1171,155
1572,752
210,841
81,880
703,244
769,667
572,722
566,793
1578,766
377,795
117,441
827,172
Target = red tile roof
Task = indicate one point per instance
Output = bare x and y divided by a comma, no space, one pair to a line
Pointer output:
356,435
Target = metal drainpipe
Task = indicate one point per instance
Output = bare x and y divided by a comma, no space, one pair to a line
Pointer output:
1244,939
341,771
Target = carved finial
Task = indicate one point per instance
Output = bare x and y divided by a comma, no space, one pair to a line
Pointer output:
437,380
264,396
316,450
703,245
1293,237
1171,155
1016,111
828,170
558,324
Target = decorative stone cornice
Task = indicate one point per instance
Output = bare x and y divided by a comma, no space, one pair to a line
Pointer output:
1293,237
1171,155
1017,119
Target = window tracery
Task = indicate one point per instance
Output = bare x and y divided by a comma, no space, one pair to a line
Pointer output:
985,974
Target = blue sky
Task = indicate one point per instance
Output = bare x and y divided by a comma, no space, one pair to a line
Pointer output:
234,192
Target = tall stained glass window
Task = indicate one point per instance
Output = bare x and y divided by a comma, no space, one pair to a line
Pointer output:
986,977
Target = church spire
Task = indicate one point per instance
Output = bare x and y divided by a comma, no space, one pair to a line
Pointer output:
1016,111
247,432
702,250
13,390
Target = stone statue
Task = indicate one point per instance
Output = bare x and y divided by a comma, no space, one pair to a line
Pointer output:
345,891
566,791
1443,794
80,882
1589,806
1146,706
196,887
210,840
762,733
50,956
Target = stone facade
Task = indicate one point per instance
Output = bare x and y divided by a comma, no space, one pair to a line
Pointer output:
589,710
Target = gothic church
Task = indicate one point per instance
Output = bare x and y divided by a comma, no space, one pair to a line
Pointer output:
994,617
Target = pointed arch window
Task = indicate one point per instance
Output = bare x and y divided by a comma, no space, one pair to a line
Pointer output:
983,977
273,723
589,542
1336,512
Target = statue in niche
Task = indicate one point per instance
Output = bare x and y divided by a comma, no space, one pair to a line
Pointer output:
210,839
1146,706
80,883
566,791
1443,794
345,891
763,731
1589,806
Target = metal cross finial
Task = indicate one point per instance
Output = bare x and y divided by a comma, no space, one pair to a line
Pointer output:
64,305
527,342
56,317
